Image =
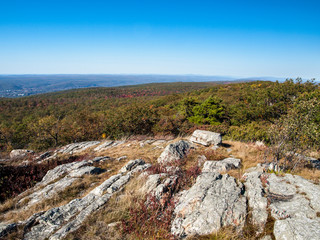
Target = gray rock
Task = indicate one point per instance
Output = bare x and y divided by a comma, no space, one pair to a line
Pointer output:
139,168
61,170
256,200
158,142
57,222
168,184
76,223
131,165
295,205
119,183
174,152
201,160
101,159
19,153
215,147
307,188
102,188
44,155
214,201
221,166
297,228
43,190
85,171
152,182
206,138
7,228
121,158
278,185
107,145
103,146
48,191
77,147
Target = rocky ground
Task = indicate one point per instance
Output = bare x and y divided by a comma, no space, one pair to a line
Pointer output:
207,187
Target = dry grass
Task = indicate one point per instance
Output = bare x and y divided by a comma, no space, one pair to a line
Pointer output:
249,153
117,208
133,150
11,211
96,227
249,231
311,174
61,198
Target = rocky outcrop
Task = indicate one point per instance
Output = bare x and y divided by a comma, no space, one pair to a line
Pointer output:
108,144
62,170
19,153
257,201
57,222
221,166
295,206
214,201
77,147
174,152
57,180
131,164
206,138
297,228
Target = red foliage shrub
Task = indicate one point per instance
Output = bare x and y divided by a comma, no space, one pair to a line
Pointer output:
16,179
151,220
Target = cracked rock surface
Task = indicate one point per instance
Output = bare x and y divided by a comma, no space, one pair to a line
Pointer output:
174,152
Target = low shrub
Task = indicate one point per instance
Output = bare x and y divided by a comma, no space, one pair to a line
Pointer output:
17,179
149,221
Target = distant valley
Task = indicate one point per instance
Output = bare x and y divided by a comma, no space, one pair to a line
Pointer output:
12,86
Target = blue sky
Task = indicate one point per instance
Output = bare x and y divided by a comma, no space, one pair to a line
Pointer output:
232,38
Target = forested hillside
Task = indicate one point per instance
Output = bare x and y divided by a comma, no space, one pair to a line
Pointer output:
242,111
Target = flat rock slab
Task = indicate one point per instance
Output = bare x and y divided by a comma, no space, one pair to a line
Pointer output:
62,170
85,171
54,182
77,147
222,165
297,229
214,201
256,199
57,222
295,205
206,138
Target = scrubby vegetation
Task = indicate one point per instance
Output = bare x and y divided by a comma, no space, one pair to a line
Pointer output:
16,179
266,111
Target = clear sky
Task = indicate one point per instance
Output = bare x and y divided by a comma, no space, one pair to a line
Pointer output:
226,37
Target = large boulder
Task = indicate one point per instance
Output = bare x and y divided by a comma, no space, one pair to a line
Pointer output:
19,153
213,202
206,138
174,152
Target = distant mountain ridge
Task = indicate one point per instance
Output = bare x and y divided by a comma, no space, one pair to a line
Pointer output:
24,85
